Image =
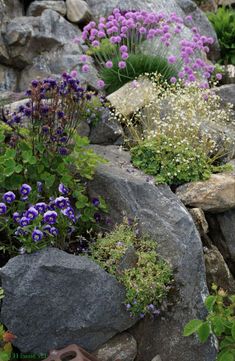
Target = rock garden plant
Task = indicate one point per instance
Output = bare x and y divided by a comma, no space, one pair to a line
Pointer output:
117,44
174,138
133,259
219,322
6,338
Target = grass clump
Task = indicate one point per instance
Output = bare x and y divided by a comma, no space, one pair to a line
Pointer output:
146,281
136,65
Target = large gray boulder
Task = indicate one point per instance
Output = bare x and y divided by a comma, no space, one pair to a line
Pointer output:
180,7
54,62
53,299
10,9
37,7
160,214
8,78
27,36
222,233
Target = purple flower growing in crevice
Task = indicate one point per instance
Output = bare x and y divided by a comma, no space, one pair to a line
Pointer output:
41,207
31,213
96,202
3,208
24,221
37,235
9,197
54,231
61,202
69,212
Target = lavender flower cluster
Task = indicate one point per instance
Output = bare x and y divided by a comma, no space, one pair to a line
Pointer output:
46,215
126,29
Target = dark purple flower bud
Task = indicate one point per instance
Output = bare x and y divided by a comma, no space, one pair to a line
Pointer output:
25,189
60,114
45,129
9,197
21,108
3,208
16,119
62,189
63,139
41,207
45,109
34,83
59,131
24,222
27,112
31,213
28,93
50,217
16,217
97,217
37,235
96,202
39,187
61,202
63,151
54,231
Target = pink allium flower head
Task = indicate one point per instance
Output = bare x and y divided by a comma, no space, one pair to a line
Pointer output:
219,76
125,56
189,18
102,20
101,34
94,32
83,58
181,74
101,26
100,84
113,40
85,68
171,59
173,80
95,43
74,73
123,49
92,24
165,28
122,64
191,77
142,30
78,40
124,29
109,64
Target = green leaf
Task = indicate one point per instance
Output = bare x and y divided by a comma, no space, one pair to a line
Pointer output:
203,332
209,302
4,356
192,326
227,356
233,330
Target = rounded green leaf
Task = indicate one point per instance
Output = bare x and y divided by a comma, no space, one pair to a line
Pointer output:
203,332
192,326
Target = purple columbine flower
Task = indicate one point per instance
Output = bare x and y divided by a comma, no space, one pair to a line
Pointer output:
61,202
41,207
24,222
37,235
25,189
34,83
63,151
9,197
54,231
50,217
3,208
31,213
60,114
96,202
16,217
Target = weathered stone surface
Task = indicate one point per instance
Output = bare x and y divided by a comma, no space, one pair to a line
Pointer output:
214,195
53,299
53,63
157,358
217,271
199,219
8,78
226,93
161,215
10,9
14,106
37,7
132,96
129,260
105,7
28,36
83,129
229,76
222,233
78,11
122,347
107,131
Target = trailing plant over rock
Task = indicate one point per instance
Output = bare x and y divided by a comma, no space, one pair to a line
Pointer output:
146,276
117,45
219,322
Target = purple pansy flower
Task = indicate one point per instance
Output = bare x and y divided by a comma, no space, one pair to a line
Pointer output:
16,217
24,221
62,189
3,208
54,231
40,207
37,235
25,189
50,217
31,213
61,202
96,202
9,197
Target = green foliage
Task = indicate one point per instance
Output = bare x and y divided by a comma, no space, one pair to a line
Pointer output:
145,282
224,23
5,345
170,161
136,65
220,322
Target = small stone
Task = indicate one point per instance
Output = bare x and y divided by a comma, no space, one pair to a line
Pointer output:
199,220
37,7
214,195
132,96
122,347
107,131
157,358
78,11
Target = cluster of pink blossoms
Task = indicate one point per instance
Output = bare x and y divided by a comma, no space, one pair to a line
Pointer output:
126,30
